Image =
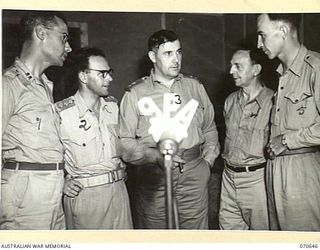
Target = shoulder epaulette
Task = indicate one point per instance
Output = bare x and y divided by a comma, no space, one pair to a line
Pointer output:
137,82
110,98
65,104
313,59
11,72
193,77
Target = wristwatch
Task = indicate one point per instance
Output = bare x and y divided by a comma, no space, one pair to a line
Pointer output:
283,141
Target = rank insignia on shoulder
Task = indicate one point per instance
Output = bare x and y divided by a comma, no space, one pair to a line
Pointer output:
65,104
191,76
137,82
313,59
110,98
11,72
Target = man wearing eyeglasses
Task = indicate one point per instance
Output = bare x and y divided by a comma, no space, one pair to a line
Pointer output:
32,153
95,192
197,152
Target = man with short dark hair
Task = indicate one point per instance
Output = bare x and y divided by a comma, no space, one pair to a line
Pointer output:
32,153
197,152
95,192
293,171
243,202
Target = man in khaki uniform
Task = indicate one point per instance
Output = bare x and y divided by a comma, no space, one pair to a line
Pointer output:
32,153
198,150
243,202
95,192
293,173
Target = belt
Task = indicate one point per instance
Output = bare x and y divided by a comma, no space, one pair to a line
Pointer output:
299,151
190,154
110,177
245,169
33,166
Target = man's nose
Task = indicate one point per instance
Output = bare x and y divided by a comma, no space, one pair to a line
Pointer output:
176,57
68,47
109,78
259,43
231,71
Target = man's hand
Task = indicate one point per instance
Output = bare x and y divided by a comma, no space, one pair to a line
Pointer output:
72,187
177,160
275,147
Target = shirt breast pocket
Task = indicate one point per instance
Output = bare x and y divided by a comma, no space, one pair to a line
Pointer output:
300,110
85,147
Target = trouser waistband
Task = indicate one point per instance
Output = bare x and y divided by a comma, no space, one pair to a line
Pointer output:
246,168
107,178
299,151
33,166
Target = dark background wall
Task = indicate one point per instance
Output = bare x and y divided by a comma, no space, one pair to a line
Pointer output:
208,42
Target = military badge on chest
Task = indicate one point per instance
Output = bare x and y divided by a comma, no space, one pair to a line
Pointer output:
301,110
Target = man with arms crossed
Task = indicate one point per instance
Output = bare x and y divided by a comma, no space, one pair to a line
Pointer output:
293,173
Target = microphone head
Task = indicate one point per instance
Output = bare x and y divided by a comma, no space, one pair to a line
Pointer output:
168,144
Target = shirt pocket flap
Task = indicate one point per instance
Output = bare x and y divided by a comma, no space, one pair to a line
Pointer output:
298,96
84,139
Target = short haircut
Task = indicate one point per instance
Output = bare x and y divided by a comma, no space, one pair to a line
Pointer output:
80,58
256,55
160,37
33,18
293,19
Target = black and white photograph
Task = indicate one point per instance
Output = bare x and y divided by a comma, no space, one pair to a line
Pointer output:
160,120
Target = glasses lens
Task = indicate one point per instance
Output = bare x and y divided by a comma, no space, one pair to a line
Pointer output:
105,73
110,72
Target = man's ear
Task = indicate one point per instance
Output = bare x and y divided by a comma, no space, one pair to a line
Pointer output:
285,29
83,77
152,56
257,69
40,32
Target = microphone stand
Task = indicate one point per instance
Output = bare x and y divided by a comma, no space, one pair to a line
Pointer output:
169,147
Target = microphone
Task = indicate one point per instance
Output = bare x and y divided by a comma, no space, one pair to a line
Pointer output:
168,144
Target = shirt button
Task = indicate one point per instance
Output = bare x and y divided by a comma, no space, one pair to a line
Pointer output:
281,88
83,144
278,109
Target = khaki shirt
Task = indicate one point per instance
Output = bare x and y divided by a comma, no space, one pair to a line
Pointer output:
30,122
134,125
91,145
297,101
247,128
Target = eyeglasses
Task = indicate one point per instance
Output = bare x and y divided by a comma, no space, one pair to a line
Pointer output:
104,73
65,36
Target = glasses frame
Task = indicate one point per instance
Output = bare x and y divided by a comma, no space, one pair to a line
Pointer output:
104,73
65,36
